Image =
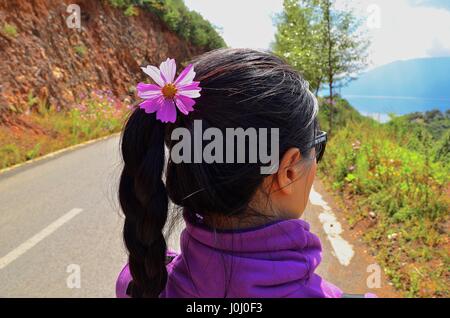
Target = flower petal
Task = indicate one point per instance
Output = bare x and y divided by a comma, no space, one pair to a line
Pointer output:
167,113
186,76
154,73
190,93
148,90
168,69
151,105
185,104
189,87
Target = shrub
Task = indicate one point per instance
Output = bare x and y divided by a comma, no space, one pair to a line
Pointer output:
400,171
10,30
131,11
80,49
190,25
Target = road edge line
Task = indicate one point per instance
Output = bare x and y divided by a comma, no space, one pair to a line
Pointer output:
55,153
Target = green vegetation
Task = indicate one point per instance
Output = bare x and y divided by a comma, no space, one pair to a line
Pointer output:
343,114
45,129
394,181
131,11
322,42
80,49
188,24
433,126
10,30
32,100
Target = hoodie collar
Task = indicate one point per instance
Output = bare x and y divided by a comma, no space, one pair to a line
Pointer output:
275,260
281,235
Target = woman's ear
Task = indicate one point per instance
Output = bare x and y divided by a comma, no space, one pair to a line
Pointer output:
288,171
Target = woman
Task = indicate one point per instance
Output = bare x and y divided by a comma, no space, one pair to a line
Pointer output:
243,235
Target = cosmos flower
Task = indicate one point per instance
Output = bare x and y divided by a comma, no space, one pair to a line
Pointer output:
168,94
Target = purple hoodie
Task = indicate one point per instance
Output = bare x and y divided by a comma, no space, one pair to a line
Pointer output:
272,261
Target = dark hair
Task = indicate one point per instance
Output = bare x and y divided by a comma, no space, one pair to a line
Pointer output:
240,88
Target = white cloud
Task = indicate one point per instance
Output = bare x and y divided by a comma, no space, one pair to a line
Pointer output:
407,31
438,49
244,23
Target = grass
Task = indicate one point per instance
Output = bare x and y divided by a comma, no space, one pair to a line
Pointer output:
10,30
392,179
395,188
80,49
45,129
131,11
188,24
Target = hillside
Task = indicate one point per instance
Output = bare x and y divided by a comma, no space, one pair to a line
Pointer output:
419,78
392,182
61,86
44,60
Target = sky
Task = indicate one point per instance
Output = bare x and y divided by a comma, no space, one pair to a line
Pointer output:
398,29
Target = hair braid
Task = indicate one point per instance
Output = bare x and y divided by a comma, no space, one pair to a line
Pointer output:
144,201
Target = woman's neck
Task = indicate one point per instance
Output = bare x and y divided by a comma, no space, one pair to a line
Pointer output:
237,222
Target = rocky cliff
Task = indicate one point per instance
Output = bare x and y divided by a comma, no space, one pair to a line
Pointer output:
42,57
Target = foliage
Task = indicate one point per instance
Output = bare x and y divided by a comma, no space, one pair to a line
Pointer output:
188,24
324,43
434,121
298,40
10,30
344,46
131,11
45,129
343,114
432,126
80,49
395,171
31,100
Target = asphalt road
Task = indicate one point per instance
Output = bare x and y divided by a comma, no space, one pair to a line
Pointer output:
60,229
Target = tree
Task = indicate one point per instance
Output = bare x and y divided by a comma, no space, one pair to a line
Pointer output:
298,40
324,43
345,48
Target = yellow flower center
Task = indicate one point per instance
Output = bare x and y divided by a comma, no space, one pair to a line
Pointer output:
169,91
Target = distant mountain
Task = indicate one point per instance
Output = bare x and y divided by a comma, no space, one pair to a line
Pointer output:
419,78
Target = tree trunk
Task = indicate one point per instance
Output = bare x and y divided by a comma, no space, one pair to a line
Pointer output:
330,62
331,104
319,81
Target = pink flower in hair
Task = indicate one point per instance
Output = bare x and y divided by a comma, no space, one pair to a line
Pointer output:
168,93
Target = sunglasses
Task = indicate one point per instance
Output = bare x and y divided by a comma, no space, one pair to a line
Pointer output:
319,143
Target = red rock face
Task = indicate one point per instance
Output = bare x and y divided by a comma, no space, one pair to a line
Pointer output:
51,61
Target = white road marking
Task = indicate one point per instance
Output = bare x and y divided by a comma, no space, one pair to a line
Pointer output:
31,242
343,250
